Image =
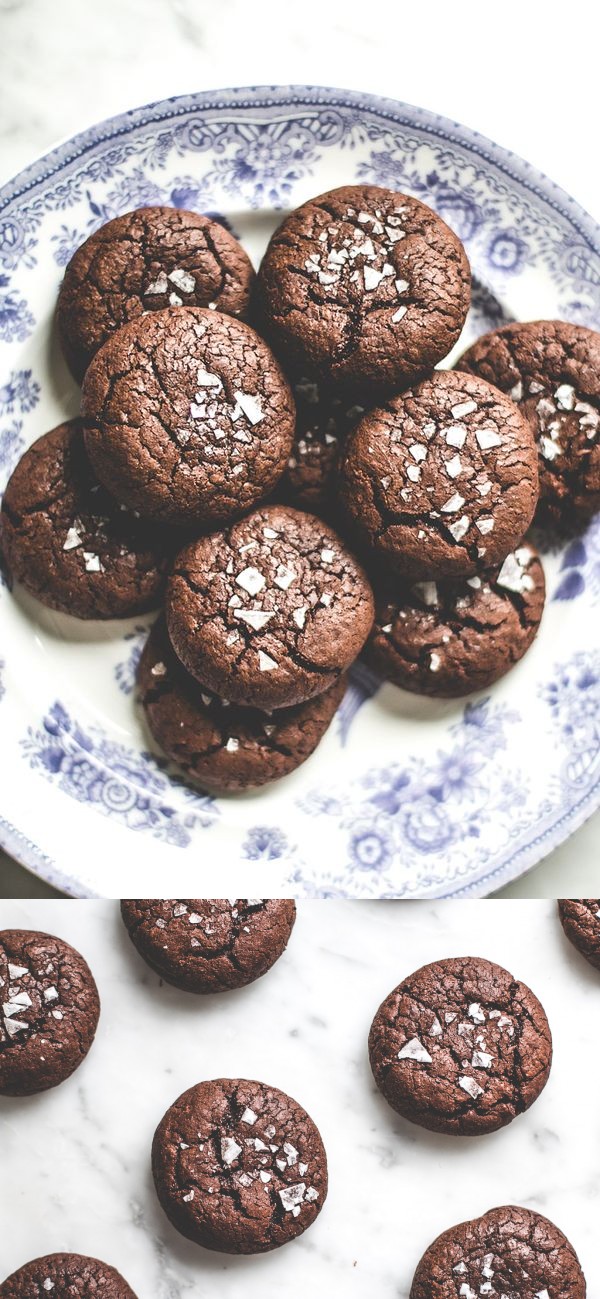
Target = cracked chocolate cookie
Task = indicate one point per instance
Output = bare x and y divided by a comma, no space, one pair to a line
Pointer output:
147,260
323,421
580,919
452,637
271,612
509,1252
50,1010
209,945
364,286
68,541
239,1166
442,481
552,370
460,1046
220,746
189,418
70,1276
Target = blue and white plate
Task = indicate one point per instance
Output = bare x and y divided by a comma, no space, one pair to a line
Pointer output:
405,796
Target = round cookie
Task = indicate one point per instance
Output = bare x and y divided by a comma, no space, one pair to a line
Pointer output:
147,260
509,1251
50,1010
67,540
239,1166
271,612
70,1276
450,638
221,747
323,421
580,919
209,945
189,418
552,369
460,1046
364,286
443,480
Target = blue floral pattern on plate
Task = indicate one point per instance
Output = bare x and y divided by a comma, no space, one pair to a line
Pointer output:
405,797
111,778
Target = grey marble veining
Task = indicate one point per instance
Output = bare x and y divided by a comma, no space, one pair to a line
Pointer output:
75,1161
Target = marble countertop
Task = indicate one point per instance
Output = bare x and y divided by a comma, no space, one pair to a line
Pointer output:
67,66
75,1161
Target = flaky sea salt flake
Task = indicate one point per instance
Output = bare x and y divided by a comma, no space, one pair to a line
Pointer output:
414,1050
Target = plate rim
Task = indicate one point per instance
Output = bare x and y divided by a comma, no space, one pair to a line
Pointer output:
70,148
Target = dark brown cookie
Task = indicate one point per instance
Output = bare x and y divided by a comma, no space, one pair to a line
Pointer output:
442,481
189,418
220,746
460,1046
580,919
364,286
68,541
271,612
209,945
452,637
147,260
69,1276
239,1166
50,1010
552,369
323,421
509,1253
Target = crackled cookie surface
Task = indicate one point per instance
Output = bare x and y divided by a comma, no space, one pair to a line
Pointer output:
67,1276
49,1011
239,1166
271,612
189,419
552,370
509,1253
323,420
442,481
364,285
65,538
220,746
209,945
147,260
580,919
451,637
461,1047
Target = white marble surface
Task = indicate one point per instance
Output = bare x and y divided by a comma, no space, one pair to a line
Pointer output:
65,65
75,1161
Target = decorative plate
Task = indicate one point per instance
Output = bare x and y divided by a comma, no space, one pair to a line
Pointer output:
405,796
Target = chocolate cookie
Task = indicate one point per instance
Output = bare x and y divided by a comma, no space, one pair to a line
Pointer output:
450,638
580,919
220,746
68,541
50,1010
189,419
239,1166
209,945
460,1047
271,612
552,369
70,1276
509,1253
443,480
364,286
147,260
323,421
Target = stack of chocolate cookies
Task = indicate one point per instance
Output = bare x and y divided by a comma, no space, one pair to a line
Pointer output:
243,438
